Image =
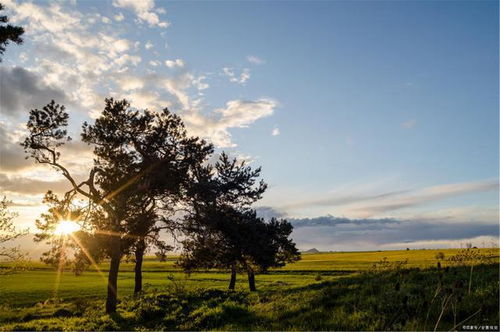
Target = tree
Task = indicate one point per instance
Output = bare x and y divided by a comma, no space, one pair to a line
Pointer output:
141,159
79,249
8,33
156,147
240,241
8,232
269,246
439,256
223,232
215,192
145,233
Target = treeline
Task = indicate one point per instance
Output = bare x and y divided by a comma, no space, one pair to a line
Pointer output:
149,177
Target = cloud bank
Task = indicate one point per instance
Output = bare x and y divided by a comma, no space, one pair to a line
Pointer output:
334,233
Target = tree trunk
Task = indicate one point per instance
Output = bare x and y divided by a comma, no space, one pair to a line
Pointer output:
232,283
114,267
139,255
251,280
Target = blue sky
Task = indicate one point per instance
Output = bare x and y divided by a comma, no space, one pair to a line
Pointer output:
360,110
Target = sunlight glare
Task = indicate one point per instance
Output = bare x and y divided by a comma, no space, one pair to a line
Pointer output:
66,227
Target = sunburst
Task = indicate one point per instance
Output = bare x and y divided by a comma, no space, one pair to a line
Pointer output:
66,227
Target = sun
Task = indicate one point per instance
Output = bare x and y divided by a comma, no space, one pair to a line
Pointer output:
66,227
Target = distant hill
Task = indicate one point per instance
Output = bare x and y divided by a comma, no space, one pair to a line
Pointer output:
311,251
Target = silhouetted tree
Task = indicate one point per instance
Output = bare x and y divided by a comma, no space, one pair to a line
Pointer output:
223,232
239,241
145,233
216,190
141,158
269,246
8,33
8,232
79,249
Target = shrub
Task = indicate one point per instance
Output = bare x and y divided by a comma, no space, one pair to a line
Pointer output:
439,256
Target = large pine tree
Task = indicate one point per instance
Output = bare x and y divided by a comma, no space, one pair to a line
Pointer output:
224,232
141,164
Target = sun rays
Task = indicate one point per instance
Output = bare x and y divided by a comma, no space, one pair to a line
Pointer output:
66,230
66,227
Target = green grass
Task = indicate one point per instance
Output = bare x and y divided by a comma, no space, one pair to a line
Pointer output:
326,291
363,260
31,287
39,284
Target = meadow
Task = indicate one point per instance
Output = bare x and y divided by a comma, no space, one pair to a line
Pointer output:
325,291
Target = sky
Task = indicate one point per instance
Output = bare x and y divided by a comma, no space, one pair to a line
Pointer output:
376,123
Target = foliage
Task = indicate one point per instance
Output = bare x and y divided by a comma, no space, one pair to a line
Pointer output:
471,256
8,33
141,164
8,232
78,250
440,256
222,230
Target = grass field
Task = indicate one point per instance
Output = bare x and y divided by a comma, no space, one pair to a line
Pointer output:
315,279
39,284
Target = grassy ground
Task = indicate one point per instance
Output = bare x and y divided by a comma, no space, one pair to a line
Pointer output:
327,291
41,283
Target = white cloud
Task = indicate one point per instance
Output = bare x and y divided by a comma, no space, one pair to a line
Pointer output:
236,114
51,18
199,84
177,87
241,113
177,63
149,45
275,132
242,78
88,63
71,54
129,82
120,45
145,99
255,60
144,11
79,59
126,58
23,57
119,17
243,157
105,20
